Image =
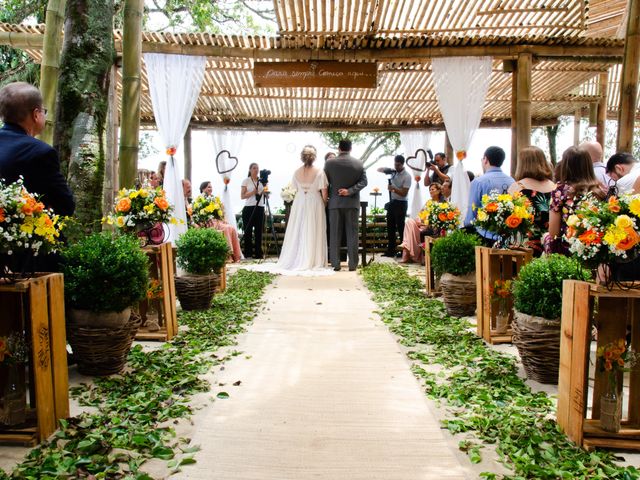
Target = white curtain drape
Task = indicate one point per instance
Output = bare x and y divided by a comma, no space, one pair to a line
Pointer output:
231,141
461,85
174,85
411,141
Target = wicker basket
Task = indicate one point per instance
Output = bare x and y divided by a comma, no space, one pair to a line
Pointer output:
538,342
459,294
196,291
102,351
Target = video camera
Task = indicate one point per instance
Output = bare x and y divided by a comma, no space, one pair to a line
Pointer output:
264,176
431,161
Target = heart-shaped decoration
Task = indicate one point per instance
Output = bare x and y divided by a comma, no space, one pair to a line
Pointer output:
221,156
420,158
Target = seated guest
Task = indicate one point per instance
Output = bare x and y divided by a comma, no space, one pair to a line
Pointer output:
154,181
143,178
230,233
594,149
493,179
186,189
575,180
533,180
624,169
435,191
446,190
162,166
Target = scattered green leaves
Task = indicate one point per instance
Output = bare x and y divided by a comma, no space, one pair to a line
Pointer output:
482,388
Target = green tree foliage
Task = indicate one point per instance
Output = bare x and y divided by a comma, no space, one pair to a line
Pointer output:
378,144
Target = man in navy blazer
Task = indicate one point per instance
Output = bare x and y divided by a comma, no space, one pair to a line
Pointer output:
23,155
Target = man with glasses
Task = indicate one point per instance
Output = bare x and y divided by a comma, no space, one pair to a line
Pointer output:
23,155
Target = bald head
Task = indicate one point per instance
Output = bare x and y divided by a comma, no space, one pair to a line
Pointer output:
594,149
17,102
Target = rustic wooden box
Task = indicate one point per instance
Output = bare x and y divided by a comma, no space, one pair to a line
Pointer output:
491,265
432,282
161,268
615,314
36,307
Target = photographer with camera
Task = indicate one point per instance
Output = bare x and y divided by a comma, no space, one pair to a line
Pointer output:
439,168
399,185
252,192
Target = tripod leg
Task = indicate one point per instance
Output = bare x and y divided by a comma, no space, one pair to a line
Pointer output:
273,227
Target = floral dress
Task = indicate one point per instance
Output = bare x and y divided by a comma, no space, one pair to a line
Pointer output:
541,205
562,201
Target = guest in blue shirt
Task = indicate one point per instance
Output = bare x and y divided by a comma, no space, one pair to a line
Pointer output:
493,179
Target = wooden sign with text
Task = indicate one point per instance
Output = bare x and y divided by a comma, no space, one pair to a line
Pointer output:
315,74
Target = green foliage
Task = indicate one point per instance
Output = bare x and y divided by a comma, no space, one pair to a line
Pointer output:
202,250
105,273
455,253
385,143
481,388
132,413
538,288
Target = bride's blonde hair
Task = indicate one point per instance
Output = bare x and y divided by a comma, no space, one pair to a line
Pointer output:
308,155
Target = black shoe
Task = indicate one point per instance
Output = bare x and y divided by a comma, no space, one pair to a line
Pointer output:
336,269
398,255
352,269
387,254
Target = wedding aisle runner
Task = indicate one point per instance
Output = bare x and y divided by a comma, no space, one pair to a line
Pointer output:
325,394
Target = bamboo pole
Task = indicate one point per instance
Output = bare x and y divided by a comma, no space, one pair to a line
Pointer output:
448,148
601,125
629,79
514,123
577,119
49,69
187,154
131,81
523,103
593,114
110,165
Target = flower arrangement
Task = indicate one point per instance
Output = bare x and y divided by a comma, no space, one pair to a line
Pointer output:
500,294
155,292
206,208
505,214
501,290
14,349
25,224
141,207
616,357
440,216
605,231
288,193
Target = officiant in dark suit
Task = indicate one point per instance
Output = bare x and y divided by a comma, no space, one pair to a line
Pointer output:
347,177
21,154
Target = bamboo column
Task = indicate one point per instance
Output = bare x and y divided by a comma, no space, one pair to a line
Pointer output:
130,111
577,119
110,165
49,69
448,149
523,103
187,154
629,80
514,120
601,124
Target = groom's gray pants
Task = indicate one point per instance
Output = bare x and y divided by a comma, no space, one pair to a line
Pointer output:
343,219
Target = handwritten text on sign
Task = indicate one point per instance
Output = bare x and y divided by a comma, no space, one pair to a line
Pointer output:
315,74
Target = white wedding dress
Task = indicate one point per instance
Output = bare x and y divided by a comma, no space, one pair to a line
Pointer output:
304,250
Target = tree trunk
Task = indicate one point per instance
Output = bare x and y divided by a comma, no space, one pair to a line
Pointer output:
552,136
81,118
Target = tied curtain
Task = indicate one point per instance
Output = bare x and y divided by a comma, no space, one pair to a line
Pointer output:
231,141
411,141
174,84
461,85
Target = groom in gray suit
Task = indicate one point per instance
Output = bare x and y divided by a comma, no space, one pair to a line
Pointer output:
346,177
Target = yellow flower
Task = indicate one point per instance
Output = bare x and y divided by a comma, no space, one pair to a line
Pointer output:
623,221
634,206
573,220
143,193
521,212
485,198
133,194
149,208
120,222
614,235
444,205
482,215
504,197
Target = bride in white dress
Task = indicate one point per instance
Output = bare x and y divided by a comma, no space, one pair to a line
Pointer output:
304,250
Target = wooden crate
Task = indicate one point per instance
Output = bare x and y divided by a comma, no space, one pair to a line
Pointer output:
491,265
36,307
615,313
161,268
432,283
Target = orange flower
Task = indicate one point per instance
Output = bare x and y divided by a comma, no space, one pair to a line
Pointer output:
29,207
2,215
226,180
513,221
417,178
461,155
442,217
571,232
189,210
491,207
161,202
123,205
607,365
613,205
631,240
590,237
451,215
171,151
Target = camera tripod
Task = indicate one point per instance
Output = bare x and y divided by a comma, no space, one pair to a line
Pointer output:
271,225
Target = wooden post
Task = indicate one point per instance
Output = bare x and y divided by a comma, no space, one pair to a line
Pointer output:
130,111
523,105
629,80
110,165
514,122
601,124
49,69
448,149
577,119
593,114
187,154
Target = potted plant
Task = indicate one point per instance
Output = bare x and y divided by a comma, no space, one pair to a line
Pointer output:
454,259
104,277
537,294
202,252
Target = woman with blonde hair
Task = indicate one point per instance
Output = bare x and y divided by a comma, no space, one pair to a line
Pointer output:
534,180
